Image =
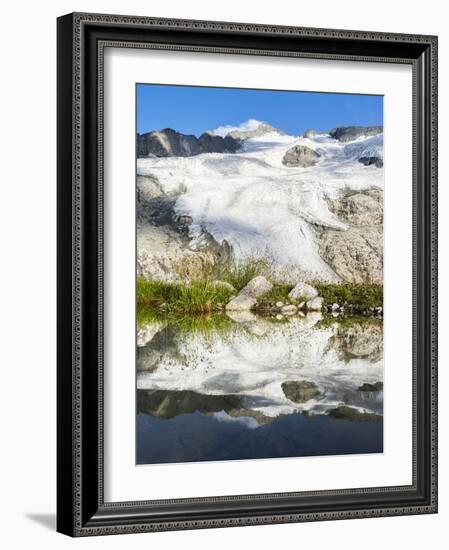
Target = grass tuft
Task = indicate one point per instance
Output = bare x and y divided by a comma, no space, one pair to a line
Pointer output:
195,298
362,295
239,274
206,325
279,293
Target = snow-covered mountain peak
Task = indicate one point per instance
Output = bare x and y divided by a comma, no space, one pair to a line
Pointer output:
249,129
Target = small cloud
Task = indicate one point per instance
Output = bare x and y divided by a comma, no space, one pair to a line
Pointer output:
247,126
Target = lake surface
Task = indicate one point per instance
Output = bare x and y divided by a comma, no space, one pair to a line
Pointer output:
249,387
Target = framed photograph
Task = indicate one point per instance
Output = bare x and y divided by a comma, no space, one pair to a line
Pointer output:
247,279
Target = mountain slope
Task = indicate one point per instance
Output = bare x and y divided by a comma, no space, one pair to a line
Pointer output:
263,208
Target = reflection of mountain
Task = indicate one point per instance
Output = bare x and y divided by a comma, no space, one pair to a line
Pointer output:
169,404
245,371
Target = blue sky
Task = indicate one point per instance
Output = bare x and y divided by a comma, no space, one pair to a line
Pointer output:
194,110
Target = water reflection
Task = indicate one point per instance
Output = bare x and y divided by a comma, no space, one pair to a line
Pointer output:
281,386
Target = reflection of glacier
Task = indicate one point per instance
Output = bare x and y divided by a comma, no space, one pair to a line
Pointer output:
262,207
251,363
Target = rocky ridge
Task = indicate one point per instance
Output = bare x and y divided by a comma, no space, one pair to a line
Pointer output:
170,143
351,133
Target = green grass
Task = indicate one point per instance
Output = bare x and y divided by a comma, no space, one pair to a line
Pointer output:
346,322
194,298
203,324
239,274
279,293
362,295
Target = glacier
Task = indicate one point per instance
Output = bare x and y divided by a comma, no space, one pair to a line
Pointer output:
261,207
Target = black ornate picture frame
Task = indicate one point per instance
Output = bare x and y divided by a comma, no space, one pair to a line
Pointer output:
81,509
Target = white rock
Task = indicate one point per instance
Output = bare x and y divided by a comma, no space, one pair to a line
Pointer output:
303,290
257,287
279,304
289,310
242,316
279,317
242,302
315,304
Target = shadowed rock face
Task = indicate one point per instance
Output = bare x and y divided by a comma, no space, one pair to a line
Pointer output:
169,143
350,133
300,155
164,249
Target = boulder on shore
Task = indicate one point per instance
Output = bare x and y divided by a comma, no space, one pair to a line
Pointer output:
242,302
257,287
315,304
303,290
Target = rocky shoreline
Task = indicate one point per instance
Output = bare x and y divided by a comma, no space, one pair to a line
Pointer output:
301,299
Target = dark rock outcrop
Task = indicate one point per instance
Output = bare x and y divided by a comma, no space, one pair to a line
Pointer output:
350,133
377,386
300,155
169,404
368,161
169,143
354,415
